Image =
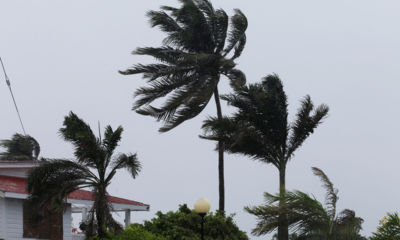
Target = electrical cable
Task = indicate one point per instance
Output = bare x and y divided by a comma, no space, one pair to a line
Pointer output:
12,95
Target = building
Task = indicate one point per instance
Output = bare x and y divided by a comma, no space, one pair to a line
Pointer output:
13,216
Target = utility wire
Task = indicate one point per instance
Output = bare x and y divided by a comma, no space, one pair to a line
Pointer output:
12,95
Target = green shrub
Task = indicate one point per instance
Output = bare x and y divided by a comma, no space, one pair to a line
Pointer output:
184,224
136,232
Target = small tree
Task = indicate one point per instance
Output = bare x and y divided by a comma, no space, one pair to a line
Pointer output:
389,228
95,166
307,217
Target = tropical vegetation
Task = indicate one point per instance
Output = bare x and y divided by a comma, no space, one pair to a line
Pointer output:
199,48
388,229
260,129
307,218
20,147
136,232
94,168
184,224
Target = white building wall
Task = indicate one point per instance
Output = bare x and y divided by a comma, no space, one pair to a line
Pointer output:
14,216
2,218
67,228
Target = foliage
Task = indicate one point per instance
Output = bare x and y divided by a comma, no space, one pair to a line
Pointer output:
193,56
20,147
389,228
134,232
184,224
199,48
260,129
94,168
307,217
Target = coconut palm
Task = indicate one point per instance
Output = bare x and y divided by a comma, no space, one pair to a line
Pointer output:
307,218
94,168
20,147
197,50
260,128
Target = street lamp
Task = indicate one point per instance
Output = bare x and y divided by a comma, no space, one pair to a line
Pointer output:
202,206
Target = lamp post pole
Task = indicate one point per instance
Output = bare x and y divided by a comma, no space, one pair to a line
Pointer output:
202,215
202,206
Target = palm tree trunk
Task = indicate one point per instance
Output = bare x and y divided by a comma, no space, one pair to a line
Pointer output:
283,228
220,157
100,212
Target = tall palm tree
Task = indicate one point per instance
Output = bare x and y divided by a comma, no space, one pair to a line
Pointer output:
198,49
307,217
260,128
20,147
94,168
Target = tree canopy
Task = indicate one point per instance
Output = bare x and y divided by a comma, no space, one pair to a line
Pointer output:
94,168
20,147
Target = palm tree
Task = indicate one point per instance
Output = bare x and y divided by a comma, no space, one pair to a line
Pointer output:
198,49
94,168
20,147
307,217
260,128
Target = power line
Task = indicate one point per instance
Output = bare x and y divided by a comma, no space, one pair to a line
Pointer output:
12,95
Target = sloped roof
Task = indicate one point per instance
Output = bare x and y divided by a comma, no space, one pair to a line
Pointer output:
18,185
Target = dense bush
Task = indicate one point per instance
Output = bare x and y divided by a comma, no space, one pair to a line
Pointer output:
184,224
136,232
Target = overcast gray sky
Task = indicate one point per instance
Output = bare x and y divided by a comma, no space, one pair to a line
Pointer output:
64,55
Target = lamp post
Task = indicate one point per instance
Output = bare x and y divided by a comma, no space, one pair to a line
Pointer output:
202,206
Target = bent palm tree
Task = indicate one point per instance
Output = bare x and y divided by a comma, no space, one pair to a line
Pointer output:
53,180
260,128
307,217
20,147
195,53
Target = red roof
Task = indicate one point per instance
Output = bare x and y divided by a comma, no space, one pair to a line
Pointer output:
18,185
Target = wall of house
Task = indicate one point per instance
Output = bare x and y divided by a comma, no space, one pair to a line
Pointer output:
11,220
14,222
2,218
67,220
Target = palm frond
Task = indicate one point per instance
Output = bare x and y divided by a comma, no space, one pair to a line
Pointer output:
79,133
164,21
50,182
305,123
237,78
331,196
237,35
221,28
128,161
216,130
111,139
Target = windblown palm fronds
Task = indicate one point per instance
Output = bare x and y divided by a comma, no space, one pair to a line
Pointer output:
95,166
260,129
20,147
200,46
308,218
